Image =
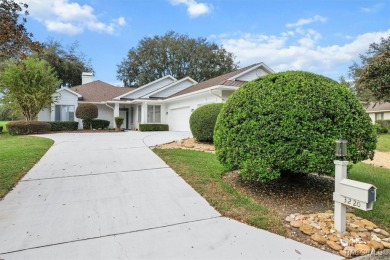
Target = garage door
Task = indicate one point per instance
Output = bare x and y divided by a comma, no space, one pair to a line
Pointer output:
179,119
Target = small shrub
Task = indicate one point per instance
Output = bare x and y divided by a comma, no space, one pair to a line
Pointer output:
287,123
153,127
202,121
1,129
63,125
27,127
87,111
382,126
118,122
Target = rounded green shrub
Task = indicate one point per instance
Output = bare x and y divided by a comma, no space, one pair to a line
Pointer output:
202,121
27,127
287,123
87,112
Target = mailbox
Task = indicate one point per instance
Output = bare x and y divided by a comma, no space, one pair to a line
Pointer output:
356,194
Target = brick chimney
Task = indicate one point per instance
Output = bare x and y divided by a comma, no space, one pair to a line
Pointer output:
86,77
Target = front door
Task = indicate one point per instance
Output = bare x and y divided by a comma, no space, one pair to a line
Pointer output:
124,113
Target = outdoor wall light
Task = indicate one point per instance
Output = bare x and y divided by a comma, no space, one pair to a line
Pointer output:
166,113
341,149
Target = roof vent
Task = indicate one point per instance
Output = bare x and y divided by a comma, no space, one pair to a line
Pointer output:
86,77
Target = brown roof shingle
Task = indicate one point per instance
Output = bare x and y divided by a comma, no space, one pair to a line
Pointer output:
98,91
220,80
378,107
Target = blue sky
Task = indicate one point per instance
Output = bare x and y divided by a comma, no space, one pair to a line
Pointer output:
324,37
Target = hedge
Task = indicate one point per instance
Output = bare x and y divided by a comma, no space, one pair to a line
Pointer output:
153,127
27,127
287,124
96,124
382,126
202,121
63,125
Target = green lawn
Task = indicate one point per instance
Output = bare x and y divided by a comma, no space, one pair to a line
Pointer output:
379,177
383,143
204,173
18,154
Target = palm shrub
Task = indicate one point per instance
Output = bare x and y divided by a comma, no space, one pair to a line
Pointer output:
202,121
87,111
287,123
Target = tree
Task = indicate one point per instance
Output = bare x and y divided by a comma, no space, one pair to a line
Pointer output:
176,55
286,124
87,112
28,85
372,76
15,41
68,62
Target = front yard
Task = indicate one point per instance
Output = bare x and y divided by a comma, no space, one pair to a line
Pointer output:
18,154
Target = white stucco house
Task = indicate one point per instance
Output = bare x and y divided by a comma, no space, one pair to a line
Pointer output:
379,111
166,100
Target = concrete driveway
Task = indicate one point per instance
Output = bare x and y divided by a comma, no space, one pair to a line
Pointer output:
108,196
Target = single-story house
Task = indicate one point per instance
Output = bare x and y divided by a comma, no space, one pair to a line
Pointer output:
379,111
166,100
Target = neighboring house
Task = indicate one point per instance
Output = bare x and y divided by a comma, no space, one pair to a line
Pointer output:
379,111
165,100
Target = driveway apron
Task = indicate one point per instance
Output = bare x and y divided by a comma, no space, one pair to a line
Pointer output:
108,196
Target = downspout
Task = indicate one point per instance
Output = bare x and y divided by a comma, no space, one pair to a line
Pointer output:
108,105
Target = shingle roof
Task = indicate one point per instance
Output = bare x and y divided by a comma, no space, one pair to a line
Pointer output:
98,91
378,107
220,80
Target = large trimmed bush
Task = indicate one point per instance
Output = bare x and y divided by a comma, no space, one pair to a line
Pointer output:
202,121
27,127
63,126
153,127
287,123
87,112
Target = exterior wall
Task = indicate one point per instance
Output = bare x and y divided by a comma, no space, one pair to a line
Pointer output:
193,102
386,115
226,94
149,89
45,115
63,98
106,113
254,74
174,89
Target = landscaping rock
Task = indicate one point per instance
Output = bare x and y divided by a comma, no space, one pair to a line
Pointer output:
362,249
375,245
317,237
362,236
334,245
296,223
308,230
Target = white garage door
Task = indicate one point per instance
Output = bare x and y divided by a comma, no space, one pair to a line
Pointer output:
179,119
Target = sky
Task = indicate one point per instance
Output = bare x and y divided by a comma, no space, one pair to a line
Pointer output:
320,36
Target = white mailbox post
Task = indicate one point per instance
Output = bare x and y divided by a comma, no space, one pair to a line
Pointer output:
349,192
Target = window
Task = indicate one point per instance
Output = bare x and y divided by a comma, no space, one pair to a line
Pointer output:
64,113
154,114
379,116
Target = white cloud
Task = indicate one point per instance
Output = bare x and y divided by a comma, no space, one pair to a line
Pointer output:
299,50
372,9
303,21
65,16
194,8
